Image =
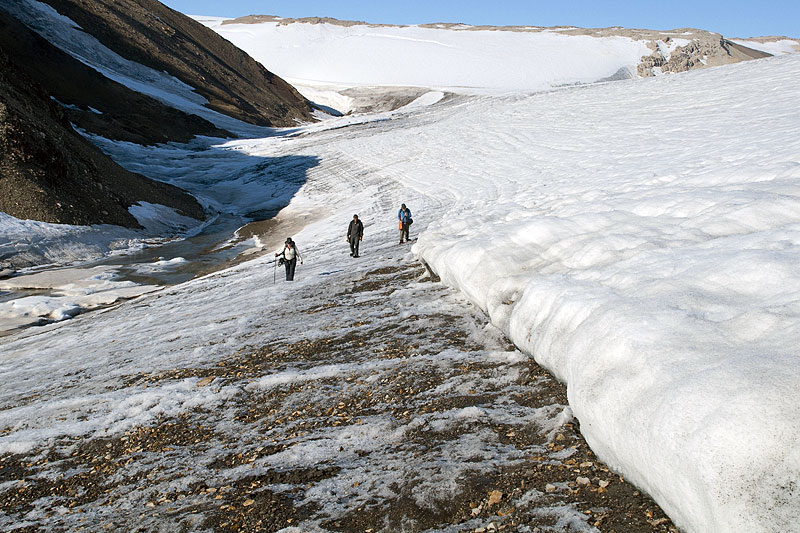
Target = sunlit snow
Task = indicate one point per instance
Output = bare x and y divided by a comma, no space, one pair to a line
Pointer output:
639,239
472,60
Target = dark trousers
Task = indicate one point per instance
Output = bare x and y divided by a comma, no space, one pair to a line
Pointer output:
404,231
354,246
290,264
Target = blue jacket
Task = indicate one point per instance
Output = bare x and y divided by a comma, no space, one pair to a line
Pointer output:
404,214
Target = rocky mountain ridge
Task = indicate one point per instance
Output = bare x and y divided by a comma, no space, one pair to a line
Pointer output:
699,52
92,101
150,33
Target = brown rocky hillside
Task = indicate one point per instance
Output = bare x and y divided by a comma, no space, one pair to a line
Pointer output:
149,33
92,101
49,172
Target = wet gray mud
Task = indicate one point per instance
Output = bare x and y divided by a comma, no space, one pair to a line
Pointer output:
402,412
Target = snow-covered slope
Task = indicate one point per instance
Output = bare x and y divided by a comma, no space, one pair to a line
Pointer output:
649,257
772,45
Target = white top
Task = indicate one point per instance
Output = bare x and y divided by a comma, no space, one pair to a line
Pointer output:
289,253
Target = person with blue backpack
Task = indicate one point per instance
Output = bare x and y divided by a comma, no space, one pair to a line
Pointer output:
404,216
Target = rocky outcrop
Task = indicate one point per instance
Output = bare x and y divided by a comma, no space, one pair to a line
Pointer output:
149,33
703,51
49,172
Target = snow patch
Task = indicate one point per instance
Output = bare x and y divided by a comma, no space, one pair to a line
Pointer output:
162,220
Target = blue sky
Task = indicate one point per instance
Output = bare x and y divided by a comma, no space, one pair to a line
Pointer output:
732,18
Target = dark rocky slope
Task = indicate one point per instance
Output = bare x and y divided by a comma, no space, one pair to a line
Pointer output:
49,172
124,114
149,33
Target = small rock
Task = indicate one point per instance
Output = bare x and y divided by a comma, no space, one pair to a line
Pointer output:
494,497
587,464
583,480
549,488
603,483
205,381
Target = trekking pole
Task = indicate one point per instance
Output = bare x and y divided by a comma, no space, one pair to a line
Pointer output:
274,271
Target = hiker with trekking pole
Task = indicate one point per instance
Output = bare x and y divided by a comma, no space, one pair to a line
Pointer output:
288,257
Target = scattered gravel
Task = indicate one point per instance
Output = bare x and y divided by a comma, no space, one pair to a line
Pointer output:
412,423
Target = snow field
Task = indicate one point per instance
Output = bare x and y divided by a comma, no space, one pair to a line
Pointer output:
777,47
470,60
646,253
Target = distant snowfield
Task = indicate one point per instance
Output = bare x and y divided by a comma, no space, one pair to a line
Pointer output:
467,61
776,47
640,239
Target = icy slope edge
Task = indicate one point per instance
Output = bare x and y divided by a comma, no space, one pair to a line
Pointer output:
659,279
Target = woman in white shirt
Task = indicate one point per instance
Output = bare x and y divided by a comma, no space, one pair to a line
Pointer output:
290,255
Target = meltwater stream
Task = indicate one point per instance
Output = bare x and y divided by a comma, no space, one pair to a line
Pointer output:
180,260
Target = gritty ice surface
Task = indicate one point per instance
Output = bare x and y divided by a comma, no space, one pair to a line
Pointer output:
24,243
162,220
28,246
639,239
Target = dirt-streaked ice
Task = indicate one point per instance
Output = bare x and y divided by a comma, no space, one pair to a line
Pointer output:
640,239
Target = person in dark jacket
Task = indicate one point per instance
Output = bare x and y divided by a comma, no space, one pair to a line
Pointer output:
290,255
355,232
404,216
